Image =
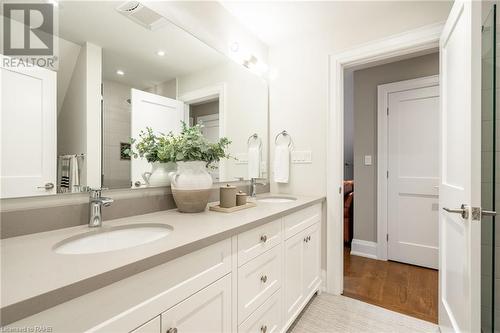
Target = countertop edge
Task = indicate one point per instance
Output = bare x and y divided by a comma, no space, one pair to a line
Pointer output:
30,306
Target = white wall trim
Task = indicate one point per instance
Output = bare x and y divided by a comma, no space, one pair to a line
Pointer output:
206,94
382,152
410,42
364,248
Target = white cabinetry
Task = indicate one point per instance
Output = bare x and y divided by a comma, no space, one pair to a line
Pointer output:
209,311
257,281
302,264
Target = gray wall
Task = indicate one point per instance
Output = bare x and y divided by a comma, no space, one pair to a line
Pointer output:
365,133
204,109
348,124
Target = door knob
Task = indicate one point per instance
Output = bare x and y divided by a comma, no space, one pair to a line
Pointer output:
47,186
263,278
263,328
463,211
172,330
263,238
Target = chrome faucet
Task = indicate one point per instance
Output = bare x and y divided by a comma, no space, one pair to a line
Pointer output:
253,186
96,202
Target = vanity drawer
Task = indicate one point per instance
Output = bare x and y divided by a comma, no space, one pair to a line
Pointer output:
267,318
256,241
298,221
257,280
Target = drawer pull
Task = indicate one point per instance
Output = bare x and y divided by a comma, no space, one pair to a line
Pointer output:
305,240
263,278
308,238
172,330
263,328
263,238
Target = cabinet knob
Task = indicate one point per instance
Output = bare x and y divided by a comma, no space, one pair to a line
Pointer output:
172,330
263,328
263,278
305,239
308,238
263,238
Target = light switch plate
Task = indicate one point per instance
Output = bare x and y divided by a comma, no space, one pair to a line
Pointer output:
368,159
301,156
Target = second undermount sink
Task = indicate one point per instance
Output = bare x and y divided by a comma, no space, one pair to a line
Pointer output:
276,199
107,239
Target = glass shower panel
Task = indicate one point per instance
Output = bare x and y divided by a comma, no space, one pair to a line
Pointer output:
488,303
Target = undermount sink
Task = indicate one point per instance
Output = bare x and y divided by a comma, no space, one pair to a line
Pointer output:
113,238
276,199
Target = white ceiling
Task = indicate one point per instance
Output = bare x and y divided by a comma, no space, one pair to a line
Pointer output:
132,48
275,22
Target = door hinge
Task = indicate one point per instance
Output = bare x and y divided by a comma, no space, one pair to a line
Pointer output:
387,174
387,237
387,110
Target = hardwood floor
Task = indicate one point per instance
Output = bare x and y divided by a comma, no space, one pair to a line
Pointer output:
403,288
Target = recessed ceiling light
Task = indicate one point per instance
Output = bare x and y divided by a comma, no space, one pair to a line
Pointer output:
160,53
120,72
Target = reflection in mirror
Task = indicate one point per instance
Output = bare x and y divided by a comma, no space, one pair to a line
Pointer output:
123,69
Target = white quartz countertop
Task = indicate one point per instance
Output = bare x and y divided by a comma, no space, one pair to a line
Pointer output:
30,269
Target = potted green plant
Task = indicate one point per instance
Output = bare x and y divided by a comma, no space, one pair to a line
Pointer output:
193,154
151,146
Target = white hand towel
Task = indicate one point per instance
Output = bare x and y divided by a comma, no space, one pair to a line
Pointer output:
282,164
254,161
74,175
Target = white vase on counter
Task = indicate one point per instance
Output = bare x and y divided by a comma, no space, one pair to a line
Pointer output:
159,174
191,186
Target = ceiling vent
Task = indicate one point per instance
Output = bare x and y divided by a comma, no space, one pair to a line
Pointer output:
142,15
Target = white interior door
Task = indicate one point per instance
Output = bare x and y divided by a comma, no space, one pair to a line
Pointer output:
413,165
160,113
459,255
28,158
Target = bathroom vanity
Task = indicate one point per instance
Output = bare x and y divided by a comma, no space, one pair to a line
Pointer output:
249,271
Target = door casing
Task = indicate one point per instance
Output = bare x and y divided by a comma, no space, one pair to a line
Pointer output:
418,41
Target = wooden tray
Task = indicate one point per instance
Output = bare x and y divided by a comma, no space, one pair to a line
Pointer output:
220,209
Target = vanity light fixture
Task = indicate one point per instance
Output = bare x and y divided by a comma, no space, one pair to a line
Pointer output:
120,72
160,53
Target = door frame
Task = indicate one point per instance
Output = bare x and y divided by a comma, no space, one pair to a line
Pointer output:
410,42
383,92
206,94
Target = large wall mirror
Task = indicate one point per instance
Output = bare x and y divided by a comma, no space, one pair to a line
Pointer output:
122,68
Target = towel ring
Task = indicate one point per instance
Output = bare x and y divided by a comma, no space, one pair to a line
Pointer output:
284,133
256,138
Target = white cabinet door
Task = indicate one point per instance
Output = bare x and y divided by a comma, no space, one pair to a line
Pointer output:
152,326
294,276
207,311
312,260
29,157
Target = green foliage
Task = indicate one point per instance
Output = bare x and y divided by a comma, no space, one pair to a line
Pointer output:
189,145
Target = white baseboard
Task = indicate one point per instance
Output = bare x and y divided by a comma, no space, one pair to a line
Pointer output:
364,248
